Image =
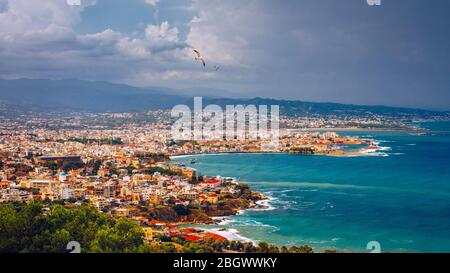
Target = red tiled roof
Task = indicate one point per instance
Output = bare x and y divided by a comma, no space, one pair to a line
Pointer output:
191,238
214,236
154,222
212,181
188,230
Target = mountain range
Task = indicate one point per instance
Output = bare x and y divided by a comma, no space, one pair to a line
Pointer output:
88,96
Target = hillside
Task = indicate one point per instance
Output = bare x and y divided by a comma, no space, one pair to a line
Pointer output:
78,95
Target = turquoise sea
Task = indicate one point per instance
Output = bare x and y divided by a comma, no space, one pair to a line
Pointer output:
399,197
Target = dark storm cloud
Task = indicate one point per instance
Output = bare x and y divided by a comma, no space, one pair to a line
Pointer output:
317,50
346,51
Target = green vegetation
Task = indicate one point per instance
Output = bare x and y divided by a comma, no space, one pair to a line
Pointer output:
93,166
33,190
302,150
180,245
27,229
35,228
152,156
129,169
65,165
52,165
110,141
182,210
20,169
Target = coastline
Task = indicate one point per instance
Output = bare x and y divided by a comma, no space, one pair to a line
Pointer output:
223,153
373,147
361,153
354,129
233,233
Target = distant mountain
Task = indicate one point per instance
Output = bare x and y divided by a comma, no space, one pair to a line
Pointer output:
301,108
203,92
78,95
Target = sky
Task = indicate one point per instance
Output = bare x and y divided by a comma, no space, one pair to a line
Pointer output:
344,51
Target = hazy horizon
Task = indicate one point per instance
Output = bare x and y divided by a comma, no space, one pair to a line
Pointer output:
396,54
224,93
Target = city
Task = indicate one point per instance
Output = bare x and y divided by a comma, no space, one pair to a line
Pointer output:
125,169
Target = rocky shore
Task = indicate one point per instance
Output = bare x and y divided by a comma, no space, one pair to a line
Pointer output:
227,205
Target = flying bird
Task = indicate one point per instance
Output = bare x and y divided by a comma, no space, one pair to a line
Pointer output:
217,67
199,57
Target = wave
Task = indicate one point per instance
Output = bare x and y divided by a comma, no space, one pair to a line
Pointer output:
255,224
270,192
231,228
291,204
231,234
224,220
276,195
266,204
280,201
384,148
376,152
379,150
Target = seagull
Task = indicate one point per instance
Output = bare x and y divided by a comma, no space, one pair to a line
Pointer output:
217,67
199,57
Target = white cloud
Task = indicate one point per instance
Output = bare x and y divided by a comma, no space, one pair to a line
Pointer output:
262,46
39,41
162,32
152,2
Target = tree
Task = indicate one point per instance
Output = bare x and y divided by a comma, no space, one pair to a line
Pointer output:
263,247
248,247
236,246
52,165
124,236
273,249
301,249
59,240
24,228
72,165
181,210
284,249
